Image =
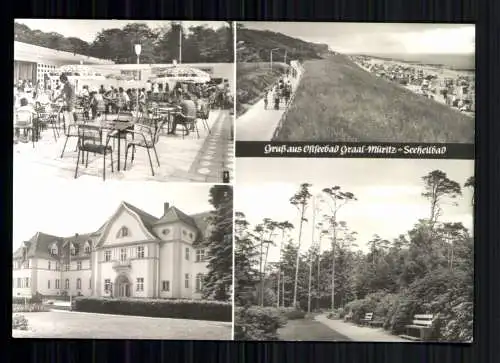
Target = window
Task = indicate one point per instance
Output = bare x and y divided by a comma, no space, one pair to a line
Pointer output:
200,255
48,284
53,251
58,266
123,254
140,252
78,284
123,232
191,235
49,265
186,281
90,283
26,282
107,255
184,233
66,267
187,254
107,285
19,282
199,282
165,231
58,284
66,284
140,284
165,286
77,250
79,265
87,248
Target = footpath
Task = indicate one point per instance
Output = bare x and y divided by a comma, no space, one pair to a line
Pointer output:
259,124
359,333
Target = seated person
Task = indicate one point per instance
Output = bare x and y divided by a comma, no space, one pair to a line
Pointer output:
24,118
187,114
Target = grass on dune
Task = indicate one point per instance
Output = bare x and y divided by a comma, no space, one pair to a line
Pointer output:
252,81
338,101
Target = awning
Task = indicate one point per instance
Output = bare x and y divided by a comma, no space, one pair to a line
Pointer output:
180,73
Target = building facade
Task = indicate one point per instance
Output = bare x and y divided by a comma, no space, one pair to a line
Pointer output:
32,62
134,254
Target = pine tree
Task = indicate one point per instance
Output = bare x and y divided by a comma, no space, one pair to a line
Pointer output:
218,281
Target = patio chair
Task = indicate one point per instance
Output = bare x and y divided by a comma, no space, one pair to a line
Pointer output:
45,118
203,113
146,137
24,121
87,137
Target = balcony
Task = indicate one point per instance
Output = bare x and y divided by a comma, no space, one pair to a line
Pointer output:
122,265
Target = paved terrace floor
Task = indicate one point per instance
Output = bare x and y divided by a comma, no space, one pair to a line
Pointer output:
181,160
258,123
76,325
358,333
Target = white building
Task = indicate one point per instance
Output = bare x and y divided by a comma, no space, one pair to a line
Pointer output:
31,62
133,254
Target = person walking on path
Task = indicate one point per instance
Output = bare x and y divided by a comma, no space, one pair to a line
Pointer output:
266,95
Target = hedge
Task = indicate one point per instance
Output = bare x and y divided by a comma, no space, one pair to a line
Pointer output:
257,323
159,308
292,313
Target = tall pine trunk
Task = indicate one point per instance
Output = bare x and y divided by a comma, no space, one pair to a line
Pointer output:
279,268
297,261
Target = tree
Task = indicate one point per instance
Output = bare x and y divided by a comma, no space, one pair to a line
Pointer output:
284,227
300,201
437,187
269,227
338,198
245,260
218,281
470,183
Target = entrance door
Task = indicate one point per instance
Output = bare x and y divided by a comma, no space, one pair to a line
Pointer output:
123,290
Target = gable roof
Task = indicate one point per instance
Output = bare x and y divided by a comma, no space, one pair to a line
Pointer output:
173,214
39,245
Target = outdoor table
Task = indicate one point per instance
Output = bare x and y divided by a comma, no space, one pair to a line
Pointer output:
117,130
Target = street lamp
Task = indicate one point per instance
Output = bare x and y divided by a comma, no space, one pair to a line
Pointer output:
137,48
272,50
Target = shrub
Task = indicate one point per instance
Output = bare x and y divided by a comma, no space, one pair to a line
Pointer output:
19,322
291,313
257,323
160,308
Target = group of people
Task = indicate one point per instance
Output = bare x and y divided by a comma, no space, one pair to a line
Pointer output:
192,100
29,101
280,91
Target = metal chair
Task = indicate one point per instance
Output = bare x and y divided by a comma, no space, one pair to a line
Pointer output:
87,137
147,138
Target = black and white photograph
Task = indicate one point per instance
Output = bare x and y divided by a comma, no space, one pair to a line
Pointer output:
355,82
124,99
371,250
122,260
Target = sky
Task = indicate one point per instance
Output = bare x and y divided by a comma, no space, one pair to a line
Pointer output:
380,38
388,192
88,29
83,206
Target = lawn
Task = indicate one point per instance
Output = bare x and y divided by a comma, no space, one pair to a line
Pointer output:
310,330
252,80
74,325
338,101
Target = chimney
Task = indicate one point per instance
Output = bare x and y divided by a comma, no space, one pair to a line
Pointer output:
165,207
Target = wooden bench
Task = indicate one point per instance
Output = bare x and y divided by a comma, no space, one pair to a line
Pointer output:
421,327
367,319
376,323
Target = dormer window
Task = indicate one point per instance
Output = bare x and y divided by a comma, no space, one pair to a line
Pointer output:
75,250
86,248
53,250
166,231
123,232
191,235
